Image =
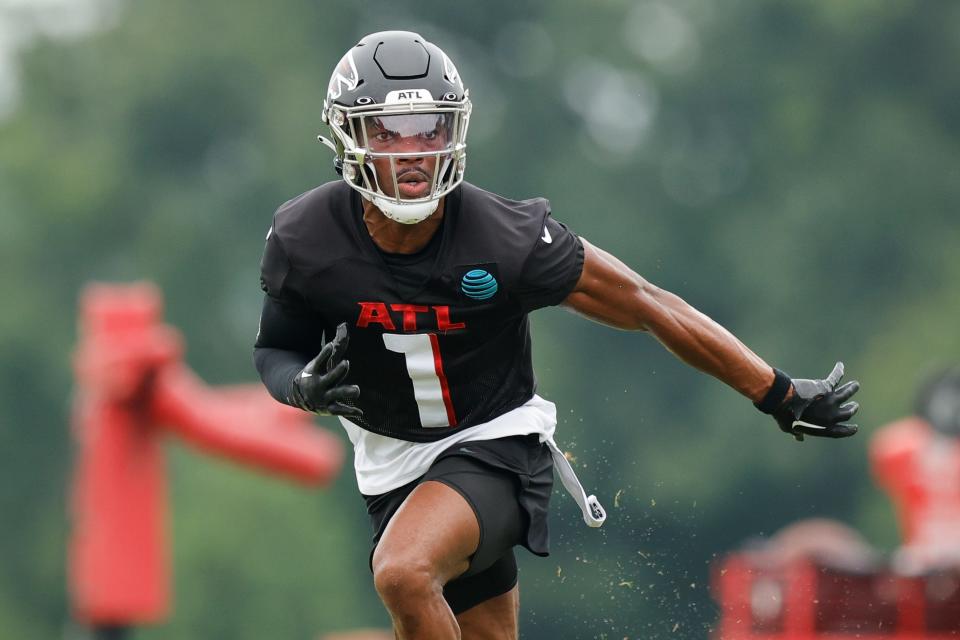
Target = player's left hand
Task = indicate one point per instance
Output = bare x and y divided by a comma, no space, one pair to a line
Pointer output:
319,387
819,407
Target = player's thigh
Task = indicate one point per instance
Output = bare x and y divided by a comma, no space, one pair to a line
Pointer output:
493,619
435,528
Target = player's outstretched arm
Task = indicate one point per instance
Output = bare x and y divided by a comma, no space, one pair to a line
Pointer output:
611,293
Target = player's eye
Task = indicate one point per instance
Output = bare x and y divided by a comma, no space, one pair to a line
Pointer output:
384,136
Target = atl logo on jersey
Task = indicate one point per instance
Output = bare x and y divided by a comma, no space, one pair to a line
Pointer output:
408,315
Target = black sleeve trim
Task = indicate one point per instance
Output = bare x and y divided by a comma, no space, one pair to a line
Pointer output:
274,266
575,273
552,269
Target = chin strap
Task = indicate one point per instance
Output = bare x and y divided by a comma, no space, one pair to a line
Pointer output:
337,160
327,142
406,212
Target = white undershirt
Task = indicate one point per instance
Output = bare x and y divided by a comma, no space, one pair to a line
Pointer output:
383,463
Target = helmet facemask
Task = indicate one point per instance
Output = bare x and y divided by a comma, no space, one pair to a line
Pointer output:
404,155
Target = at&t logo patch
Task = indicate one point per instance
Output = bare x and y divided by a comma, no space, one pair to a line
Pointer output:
478,284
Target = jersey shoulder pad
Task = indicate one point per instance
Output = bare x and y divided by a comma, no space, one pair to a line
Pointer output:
500,229
315,228
486,204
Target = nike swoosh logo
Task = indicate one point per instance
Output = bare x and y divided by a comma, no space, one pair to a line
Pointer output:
546,237
304,374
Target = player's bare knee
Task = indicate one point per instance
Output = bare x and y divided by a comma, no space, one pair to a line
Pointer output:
401,583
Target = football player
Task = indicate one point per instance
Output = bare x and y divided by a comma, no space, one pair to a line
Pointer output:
397,299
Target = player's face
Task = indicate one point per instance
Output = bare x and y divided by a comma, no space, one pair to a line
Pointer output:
424,139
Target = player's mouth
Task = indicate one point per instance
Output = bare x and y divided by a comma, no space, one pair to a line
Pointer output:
413,184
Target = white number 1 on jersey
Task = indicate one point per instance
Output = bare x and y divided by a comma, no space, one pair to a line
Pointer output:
425,368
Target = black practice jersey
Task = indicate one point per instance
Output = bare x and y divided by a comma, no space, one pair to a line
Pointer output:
431,358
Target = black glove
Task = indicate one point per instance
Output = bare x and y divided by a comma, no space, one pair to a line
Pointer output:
318,387
818,407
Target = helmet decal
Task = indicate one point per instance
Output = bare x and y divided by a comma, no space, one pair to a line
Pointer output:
450,72
345,76
408,96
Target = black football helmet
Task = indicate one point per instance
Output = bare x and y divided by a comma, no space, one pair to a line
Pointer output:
938,402
392,88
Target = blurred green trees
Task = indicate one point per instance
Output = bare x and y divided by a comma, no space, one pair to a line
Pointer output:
791,168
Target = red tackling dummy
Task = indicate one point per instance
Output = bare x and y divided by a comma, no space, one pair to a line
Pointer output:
920,470
132,387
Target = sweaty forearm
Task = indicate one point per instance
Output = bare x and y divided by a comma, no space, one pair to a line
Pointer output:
612,293
703,343
277,369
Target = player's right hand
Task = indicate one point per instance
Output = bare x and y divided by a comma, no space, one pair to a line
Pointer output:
819,407
318,387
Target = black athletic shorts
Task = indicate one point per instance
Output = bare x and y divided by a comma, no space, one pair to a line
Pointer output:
507,482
